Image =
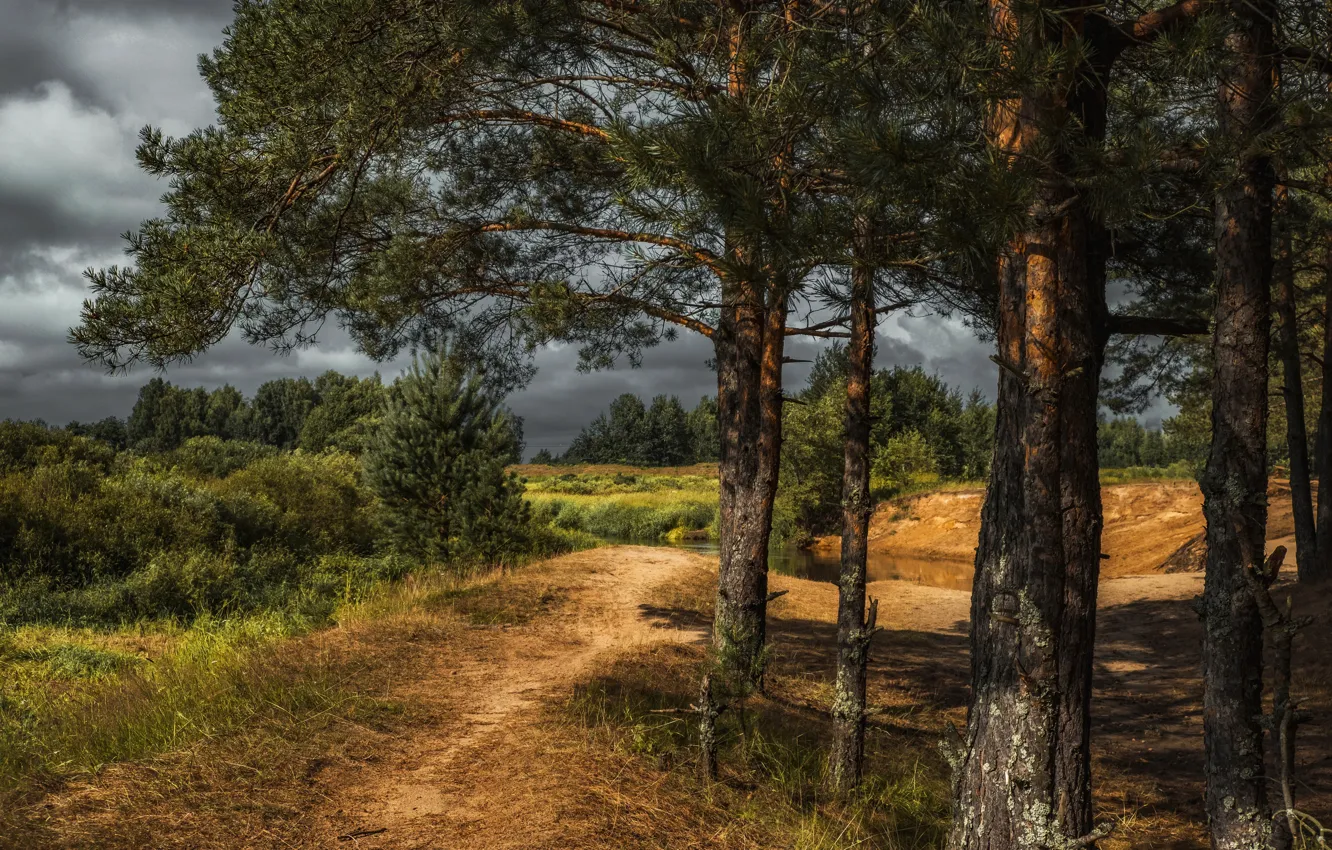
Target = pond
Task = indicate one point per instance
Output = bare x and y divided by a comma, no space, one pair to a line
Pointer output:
825,566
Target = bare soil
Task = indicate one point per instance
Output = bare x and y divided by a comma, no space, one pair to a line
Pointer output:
1145,524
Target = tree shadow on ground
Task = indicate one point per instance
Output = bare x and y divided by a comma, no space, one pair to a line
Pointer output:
1147,703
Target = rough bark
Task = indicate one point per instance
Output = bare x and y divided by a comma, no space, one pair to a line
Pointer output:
1234,483
749,345
749,355
1023,779
854,632
1292,391
1323,439
707,730
1282,723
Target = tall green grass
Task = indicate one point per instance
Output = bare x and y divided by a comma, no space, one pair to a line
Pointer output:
645,517
1178,471
71,703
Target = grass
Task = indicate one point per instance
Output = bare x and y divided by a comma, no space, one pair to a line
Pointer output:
773,787
71,701
636,518
623,503
1181,471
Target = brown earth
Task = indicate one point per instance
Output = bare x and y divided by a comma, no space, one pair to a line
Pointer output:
1145,525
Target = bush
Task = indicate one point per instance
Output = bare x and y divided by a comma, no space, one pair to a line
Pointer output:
614,519
902,459
317,501
213,457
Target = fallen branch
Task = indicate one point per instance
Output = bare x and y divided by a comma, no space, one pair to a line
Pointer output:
362,833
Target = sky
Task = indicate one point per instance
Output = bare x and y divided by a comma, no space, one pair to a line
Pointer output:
79,79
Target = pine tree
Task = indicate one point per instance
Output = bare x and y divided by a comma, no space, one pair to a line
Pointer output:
437,459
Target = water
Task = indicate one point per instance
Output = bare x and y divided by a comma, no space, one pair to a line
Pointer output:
825,566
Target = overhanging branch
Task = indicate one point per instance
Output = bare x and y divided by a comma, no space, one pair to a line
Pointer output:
1152,326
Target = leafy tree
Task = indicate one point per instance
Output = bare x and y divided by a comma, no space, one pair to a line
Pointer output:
436,460
667,433
921,426
227,416
809,497
110,431
976,436
660,435
165,416
280,410
903,457
703,437
344,413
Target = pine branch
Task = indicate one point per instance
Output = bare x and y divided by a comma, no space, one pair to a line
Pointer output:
1304,56
1150,26
523,116
1152,326
814,330
702,255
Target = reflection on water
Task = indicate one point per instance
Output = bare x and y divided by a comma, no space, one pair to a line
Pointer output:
824,566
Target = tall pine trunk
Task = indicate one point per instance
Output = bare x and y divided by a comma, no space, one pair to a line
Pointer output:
1323,439
1297,435
1234,483
853,631
749,345
1024,777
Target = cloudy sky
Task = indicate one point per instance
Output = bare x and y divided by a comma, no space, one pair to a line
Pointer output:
78,79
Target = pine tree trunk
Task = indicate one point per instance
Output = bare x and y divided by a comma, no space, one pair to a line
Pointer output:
853,632
1297,435
1323,439
1023,779
749,345
1234,483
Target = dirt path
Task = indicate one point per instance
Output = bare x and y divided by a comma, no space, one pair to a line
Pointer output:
430,790
482,776
482,759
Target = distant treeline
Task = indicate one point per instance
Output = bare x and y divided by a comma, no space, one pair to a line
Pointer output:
333,411
660,434
1123,443
932,426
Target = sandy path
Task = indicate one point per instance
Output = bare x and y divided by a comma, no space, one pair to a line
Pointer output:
428,788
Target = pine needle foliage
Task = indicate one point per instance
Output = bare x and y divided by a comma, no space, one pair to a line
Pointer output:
437,462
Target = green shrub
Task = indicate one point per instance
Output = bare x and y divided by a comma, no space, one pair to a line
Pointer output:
903,458
28,445
319,503
213,457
